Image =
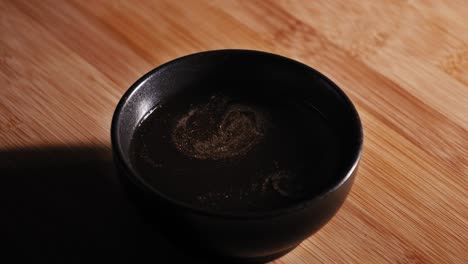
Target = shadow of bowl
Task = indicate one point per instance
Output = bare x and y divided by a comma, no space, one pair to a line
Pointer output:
65,204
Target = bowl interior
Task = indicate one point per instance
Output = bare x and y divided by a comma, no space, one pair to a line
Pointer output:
259,77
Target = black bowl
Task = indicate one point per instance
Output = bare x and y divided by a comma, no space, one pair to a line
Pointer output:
247,236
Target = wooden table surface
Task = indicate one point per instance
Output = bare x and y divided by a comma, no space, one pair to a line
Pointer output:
65,64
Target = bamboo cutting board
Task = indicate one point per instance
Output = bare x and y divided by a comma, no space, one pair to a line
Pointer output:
65,64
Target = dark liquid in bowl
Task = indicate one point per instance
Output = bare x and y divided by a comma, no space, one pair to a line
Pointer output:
234,153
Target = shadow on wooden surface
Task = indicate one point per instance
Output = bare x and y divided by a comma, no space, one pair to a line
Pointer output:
66,205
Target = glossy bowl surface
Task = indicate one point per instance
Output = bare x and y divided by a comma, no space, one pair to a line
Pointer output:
249,236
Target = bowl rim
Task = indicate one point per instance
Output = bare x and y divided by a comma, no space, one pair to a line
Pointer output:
131,173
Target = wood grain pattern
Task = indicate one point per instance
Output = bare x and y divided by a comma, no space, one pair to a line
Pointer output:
65,64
